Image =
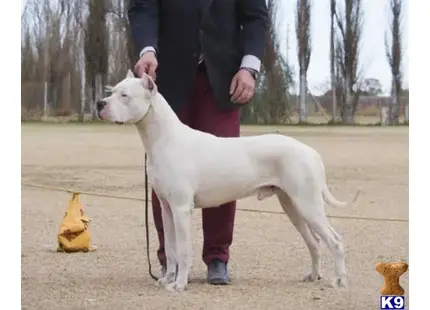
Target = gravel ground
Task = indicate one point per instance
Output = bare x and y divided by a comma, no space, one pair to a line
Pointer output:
268,256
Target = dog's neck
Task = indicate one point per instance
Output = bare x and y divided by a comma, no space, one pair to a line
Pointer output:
159,122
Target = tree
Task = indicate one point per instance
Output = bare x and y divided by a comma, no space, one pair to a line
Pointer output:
371,87
332,59
50,50
350,27
271,102
120,40
96,48
66,46
303,33
394,57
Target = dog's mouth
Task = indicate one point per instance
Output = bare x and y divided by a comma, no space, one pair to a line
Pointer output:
102,114
119,123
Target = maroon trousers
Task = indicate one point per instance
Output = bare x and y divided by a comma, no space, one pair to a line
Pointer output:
201,113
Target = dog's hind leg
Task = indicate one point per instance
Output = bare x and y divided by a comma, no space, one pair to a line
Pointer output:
169,244
311,208
311,239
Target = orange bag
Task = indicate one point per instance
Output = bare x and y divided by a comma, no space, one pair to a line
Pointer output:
74,235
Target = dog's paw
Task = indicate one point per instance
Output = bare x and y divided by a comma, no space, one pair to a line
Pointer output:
311,277
175,287
340,282
167,279
164,281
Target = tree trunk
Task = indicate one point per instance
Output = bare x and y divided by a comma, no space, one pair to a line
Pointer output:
89,102
332,67
394,107
303,102
45,100
65,95
348,111
83,97
98,95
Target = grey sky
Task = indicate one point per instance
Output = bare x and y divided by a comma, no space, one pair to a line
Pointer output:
373,60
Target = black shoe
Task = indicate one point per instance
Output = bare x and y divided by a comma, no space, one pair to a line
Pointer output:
217,273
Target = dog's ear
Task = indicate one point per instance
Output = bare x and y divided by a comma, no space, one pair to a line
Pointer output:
149,83
129,74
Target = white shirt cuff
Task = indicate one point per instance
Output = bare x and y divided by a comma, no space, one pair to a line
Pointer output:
252,62
147,49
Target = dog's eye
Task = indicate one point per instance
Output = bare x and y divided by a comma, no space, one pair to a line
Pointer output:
123,95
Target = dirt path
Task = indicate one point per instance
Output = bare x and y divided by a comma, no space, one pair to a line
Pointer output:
268,256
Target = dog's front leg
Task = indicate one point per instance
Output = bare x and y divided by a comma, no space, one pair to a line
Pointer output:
182,220
169,244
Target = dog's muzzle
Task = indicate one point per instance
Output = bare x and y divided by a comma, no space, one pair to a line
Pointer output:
100,106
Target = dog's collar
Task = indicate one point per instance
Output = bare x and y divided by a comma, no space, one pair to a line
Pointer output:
143,118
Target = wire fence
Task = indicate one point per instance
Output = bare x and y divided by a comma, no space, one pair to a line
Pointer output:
143,199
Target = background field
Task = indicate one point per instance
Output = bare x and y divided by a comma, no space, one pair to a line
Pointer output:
268,258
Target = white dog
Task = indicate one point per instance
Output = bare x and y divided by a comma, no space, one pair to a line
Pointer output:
190,169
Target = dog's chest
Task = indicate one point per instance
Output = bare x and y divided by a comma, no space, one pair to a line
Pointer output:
157,176
169,180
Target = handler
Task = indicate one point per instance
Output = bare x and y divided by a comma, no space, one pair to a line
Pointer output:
205,56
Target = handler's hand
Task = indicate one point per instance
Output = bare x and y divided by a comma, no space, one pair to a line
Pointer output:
242,87
147,64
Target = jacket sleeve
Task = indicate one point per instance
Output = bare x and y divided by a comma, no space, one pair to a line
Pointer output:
143,19
253,16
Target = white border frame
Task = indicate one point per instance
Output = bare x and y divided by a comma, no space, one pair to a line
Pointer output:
11,156
419,152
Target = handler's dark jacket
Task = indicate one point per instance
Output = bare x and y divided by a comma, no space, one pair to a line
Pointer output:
180,30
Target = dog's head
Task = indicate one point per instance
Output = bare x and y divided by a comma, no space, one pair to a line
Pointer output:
129,100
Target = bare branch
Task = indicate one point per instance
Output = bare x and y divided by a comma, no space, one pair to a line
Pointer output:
339,22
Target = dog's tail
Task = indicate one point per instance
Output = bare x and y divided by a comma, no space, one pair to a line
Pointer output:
327,195
330,199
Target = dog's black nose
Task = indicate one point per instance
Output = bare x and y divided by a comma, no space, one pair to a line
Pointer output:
100,105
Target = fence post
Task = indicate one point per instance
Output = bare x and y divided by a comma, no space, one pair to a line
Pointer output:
45,100
385,115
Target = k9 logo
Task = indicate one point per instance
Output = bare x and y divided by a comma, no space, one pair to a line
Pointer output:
392,302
